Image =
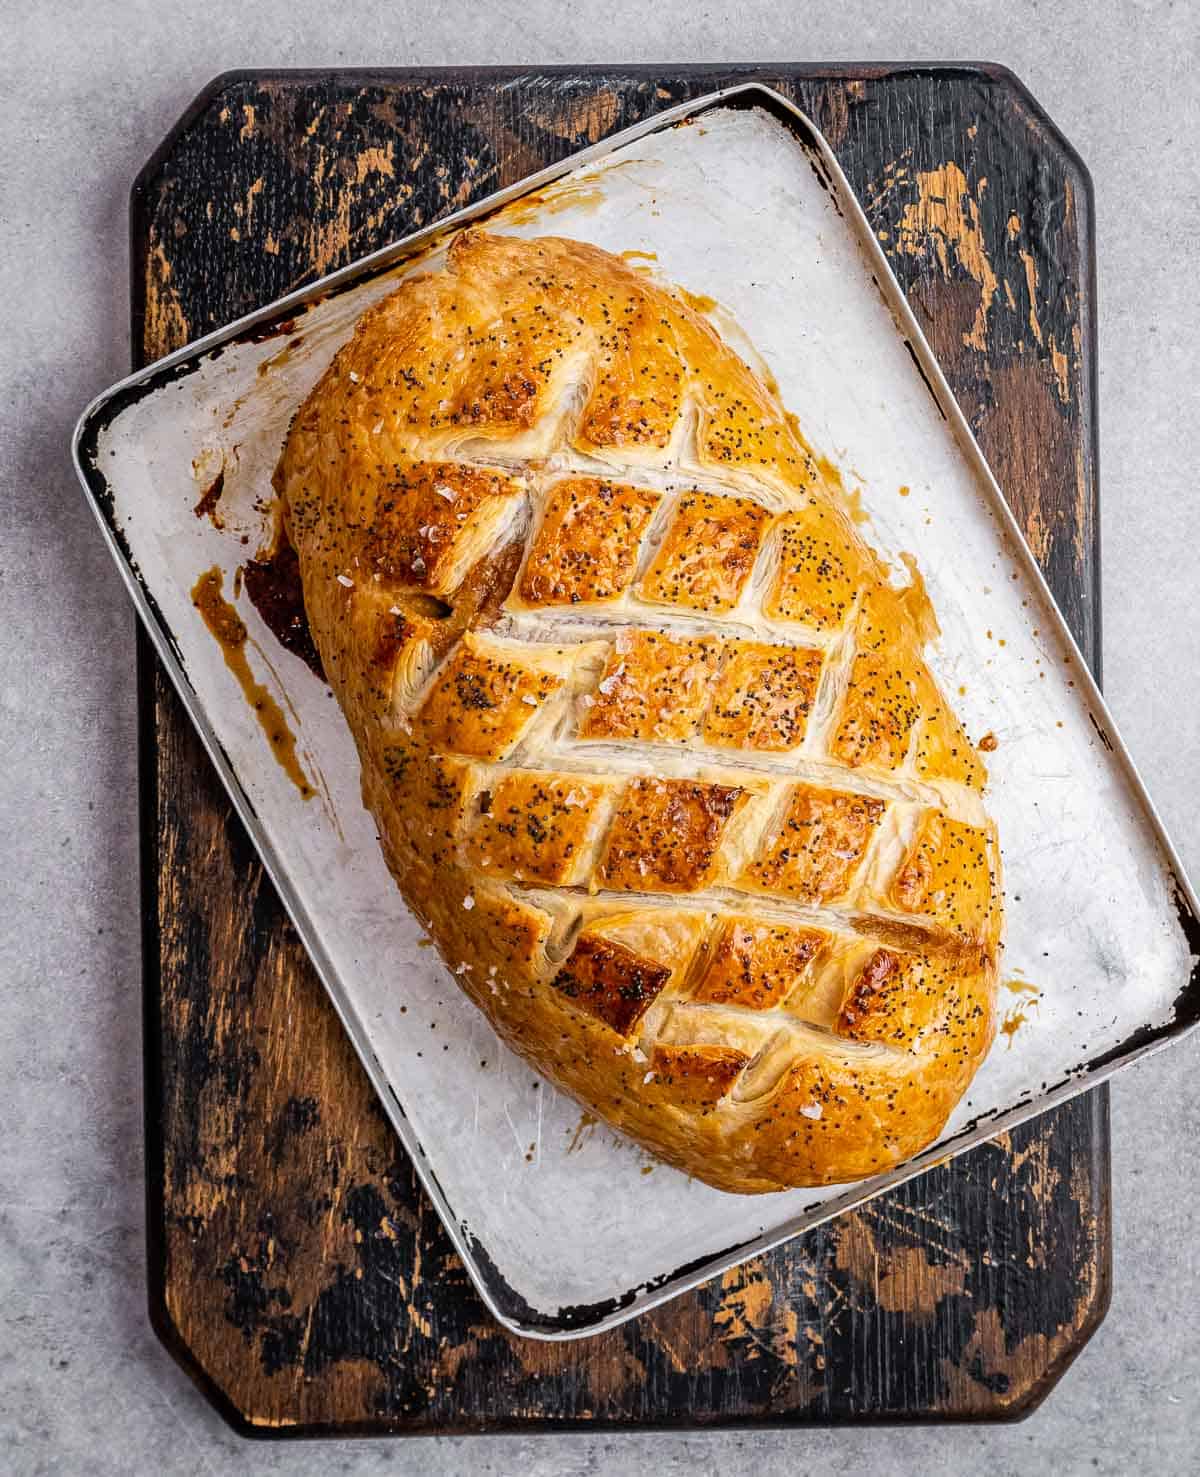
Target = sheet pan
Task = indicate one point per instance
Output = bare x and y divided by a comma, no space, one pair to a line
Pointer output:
565,1227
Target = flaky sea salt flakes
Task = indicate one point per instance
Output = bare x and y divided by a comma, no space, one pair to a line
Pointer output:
468,902
344,579
353,378
649,1077
394,610
376,428
464,968
610,682
811,1110
639,1055
447,492
529,698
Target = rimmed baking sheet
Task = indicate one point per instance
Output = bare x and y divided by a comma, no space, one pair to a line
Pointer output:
565,1227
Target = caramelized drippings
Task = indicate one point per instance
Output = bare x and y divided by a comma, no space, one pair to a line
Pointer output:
276,591
209,498
270,330
274,587
277,361
229,631
582,1132
1019,1014
583,195
479,599
1011,1024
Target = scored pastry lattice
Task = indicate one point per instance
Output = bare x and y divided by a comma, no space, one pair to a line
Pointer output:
616,656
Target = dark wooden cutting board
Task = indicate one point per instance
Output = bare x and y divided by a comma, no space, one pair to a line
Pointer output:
297,1270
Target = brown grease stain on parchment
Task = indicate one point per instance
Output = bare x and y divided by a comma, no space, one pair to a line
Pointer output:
585,194
279,359
582,1132
207,506
229,631
1018,1015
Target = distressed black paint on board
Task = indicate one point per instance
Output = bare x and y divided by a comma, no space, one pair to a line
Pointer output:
297,1269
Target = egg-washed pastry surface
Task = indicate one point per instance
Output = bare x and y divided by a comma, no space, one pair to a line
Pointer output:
645,723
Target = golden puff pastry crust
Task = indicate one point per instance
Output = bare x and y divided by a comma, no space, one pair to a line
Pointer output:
645,723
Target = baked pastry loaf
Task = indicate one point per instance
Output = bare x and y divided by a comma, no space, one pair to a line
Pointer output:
643,721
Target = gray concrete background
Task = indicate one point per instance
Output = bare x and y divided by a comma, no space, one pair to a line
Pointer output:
88,93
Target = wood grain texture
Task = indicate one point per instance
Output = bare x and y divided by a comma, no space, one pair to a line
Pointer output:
296,1268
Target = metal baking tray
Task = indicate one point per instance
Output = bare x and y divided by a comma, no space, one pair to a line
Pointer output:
565,1227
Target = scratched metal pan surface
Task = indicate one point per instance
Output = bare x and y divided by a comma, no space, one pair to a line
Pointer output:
565,1227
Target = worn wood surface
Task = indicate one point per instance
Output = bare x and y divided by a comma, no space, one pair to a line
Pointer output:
297,1270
